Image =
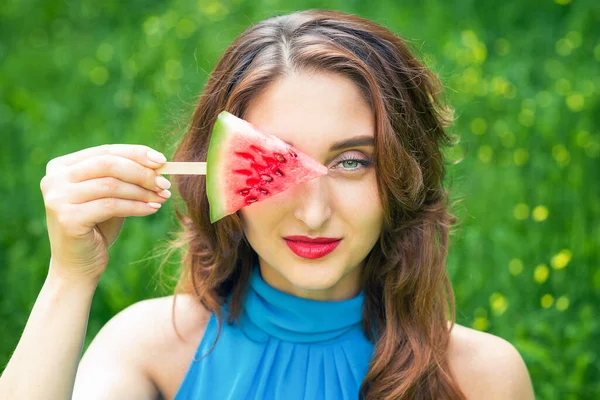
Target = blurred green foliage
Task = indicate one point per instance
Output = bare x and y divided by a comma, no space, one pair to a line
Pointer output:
522,76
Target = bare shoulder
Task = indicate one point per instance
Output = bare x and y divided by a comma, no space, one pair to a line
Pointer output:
154,318
150,322
140,353
169,352
169,330
487,366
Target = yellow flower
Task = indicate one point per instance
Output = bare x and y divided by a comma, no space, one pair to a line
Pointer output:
515,266
582,138
520,157
99,75
575,102
561,155
562,259
540,213
469,38
563,86
498,303
478,126
540,274
185,28
562,303
563,47
547,300
527,117
485,154
499,85
480,323
479,53
521,211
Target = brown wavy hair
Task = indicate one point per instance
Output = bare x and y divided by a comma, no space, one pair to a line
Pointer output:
409,304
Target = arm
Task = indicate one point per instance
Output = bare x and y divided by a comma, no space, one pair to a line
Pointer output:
51,344
87,196
50,348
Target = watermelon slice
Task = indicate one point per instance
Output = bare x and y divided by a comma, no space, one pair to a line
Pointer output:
245,166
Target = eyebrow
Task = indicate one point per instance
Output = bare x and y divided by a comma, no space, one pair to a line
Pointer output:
357,141
353,142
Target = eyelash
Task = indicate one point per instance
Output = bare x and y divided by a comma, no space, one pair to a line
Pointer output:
364,163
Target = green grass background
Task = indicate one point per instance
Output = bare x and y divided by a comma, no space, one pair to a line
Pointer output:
523,77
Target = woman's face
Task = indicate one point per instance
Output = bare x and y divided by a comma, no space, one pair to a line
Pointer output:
314,112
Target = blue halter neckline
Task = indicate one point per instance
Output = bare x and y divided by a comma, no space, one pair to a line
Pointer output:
285,347
269,311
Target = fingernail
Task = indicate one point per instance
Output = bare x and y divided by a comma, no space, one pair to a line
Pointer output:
165,193
163,182
154,205
156,157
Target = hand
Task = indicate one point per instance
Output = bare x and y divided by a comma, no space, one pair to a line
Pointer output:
88,194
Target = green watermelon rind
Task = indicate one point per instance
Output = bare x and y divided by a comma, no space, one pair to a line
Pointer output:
216,190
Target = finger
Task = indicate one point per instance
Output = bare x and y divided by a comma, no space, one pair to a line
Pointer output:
100,210
141,154
121,168
101,188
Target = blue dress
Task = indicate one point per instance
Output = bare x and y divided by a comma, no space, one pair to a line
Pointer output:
285,347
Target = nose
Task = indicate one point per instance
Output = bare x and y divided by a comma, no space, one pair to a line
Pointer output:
313,206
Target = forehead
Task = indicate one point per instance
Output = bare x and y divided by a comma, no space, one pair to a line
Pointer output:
312,111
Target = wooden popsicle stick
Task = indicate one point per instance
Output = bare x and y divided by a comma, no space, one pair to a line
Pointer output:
183,168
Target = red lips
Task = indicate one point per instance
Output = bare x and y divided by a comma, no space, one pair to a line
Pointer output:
311,240
311,248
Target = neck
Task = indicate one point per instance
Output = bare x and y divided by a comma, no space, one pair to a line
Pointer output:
346,287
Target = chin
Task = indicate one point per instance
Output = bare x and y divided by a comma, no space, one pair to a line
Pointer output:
312,276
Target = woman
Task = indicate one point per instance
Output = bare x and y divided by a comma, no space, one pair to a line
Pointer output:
261,314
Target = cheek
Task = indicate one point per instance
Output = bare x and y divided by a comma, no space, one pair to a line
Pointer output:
359,201
262,216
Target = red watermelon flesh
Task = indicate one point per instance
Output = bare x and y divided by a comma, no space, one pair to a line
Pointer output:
245,166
